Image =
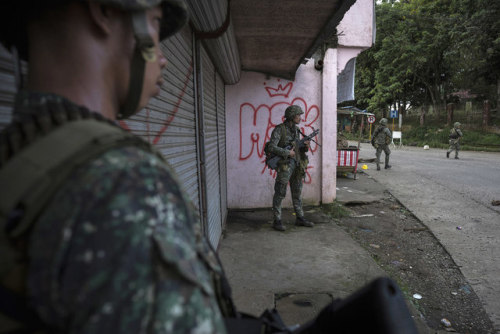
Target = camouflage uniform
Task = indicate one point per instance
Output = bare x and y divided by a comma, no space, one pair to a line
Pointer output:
455,135
118,248
288,169
380,140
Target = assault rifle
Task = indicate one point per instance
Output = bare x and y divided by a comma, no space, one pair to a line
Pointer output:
273,159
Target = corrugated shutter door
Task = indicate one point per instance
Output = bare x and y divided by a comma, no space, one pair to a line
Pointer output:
221,120
7,87
211,150
169,120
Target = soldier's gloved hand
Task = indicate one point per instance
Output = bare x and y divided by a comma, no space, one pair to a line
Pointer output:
291,154
307,144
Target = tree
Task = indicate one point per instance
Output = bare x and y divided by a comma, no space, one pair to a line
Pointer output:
475,55
426,49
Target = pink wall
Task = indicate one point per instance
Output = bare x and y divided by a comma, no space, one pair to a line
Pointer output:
254,107
329,122
356,27
256,104
355,32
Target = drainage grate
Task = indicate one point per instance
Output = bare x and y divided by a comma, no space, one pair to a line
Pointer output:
298,308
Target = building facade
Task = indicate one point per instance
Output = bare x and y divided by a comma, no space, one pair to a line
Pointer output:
212,119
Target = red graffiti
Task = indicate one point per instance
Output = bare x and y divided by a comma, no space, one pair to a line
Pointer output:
280,91
169,120
124,125
257,124
177,104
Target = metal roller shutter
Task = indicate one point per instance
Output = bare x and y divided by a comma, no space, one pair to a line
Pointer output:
209,15
221,123
169,120
211,150
7,85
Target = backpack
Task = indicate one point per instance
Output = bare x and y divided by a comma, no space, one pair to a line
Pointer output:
267,148
267,152
453,134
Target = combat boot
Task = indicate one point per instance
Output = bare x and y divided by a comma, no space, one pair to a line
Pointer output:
278,226
387,166
378,166
301,221
456,157
448,155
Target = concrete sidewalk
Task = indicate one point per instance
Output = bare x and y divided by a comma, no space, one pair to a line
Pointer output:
300,270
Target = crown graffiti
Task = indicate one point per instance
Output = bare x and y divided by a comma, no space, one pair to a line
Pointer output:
280,91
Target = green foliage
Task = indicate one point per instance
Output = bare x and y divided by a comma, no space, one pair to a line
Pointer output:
476,138
438,138
335,210
427,49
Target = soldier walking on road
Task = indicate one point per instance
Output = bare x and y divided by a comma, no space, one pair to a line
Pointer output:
455,135
291,168
380,140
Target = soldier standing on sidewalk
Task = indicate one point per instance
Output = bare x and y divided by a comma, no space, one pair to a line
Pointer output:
291,168
380,140
455,135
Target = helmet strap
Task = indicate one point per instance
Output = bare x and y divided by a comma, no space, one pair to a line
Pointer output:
144,51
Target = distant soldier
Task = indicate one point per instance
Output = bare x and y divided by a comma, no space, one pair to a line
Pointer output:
290,169
455,135
380,140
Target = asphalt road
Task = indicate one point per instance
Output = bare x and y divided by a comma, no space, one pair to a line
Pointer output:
453,199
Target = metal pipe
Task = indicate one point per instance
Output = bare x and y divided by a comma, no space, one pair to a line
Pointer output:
208,16
200,134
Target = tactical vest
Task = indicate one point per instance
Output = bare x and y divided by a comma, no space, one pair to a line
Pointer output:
377,133
36,156
282,143
295,131
453,134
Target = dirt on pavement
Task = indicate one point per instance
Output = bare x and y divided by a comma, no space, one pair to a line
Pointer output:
412,256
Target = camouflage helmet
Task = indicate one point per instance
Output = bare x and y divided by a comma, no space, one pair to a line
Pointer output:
383,121
456,125
16,14
293,111
13,19
175,14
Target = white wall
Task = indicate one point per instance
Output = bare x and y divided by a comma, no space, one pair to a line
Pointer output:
356,27
254,107
329,138
355,32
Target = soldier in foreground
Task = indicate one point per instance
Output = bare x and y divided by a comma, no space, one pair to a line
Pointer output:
291,168
380,140
455,135
115,247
